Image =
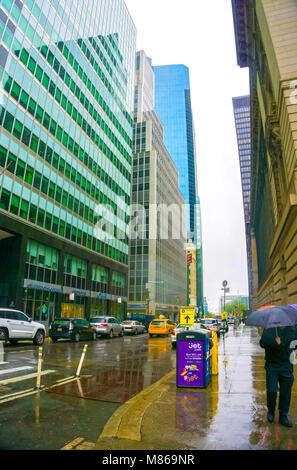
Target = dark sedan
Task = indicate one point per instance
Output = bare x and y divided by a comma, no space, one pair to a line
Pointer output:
74,329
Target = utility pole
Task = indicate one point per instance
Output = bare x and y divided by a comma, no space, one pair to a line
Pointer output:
225,288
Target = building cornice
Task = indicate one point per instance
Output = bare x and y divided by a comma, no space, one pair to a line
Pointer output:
240,15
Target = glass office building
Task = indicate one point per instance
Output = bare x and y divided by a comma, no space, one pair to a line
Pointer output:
67,72
157,265
173,105
242,116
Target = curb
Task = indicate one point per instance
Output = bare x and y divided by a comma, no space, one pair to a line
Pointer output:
126,422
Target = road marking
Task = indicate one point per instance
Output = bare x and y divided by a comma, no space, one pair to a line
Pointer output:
15,369
25,377
15,394
86,446
79,444
73,443
4,400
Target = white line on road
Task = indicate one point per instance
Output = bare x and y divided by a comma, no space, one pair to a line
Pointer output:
25,377
15,369
4,400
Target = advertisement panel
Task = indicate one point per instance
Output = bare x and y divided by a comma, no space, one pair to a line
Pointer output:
190,364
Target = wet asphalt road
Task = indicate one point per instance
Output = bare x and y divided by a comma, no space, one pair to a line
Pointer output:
230,414
51,420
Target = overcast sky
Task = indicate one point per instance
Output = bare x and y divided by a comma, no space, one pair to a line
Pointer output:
200,35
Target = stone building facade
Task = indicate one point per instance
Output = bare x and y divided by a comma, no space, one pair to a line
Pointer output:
266,41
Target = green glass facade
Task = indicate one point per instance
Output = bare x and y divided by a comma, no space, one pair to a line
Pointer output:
66,70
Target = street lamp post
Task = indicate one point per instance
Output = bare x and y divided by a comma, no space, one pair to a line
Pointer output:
225,288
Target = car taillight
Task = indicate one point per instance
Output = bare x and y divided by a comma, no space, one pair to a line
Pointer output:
104,324
173,333
70,326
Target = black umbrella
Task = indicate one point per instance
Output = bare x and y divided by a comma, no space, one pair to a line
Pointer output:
273,317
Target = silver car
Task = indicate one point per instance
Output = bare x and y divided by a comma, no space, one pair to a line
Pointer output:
133,327
107,326
211,324
180,329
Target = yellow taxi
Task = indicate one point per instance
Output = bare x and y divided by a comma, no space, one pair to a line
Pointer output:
161,326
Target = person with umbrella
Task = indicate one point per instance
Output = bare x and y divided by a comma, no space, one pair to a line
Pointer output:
279,338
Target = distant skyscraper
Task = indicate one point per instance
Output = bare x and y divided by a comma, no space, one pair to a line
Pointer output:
242,115
173,105
157,267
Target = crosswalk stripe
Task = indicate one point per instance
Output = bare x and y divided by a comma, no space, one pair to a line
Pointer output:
14,369
25,377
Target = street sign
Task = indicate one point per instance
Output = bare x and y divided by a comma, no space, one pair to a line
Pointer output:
187,316
225,283
224,315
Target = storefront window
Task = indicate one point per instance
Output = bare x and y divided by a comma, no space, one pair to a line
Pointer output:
39,304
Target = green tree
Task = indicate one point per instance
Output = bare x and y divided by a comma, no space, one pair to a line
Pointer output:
235,306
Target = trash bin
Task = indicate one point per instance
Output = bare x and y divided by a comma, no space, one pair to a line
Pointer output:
193,359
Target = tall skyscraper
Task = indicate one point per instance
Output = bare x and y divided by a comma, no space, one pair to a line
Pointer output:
173,105
157,266
67,76
266,42
242,116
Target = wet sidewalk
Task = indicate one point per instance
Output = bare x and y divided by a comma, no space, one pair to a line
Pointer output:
229,415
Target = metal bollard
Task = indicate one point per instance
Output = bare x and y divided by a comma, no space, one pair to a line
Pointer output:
1,354
81,361
38,380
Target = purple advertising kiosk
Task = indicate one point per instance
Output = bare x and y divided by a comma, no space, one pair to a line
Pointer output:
193,359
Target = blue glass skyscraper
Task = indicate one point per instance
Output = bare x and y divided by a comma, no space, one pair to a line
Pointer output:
173,104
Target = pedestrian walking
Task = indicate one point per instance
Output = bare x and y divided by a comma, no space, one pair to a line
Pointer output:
279,344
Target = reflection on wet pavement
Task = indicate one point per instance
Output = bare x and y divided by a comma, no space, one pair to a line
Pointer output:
230,413
123,374
112,385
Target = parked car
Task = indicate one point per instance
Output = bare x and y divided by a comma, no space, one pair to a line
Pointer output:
180,329
161,326
142,318
133,327
211,324
74,329
16,325
107,326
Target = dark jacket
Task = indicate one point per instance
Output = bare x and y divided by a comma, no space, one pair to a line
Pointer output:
279,354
